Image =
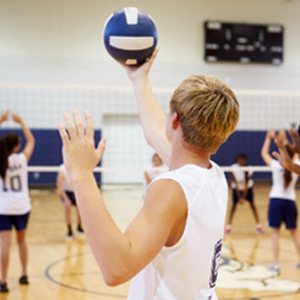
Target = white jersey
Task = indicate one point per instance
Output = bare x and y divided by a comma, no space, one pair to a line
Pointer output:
278,190
67,183
241,178
188,270
14,194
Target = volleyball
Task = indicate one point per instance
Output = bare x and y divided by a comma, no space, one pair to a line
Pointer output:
130,36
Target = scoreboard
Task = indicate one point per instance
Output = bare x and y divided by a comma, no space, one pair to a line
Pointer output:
244,43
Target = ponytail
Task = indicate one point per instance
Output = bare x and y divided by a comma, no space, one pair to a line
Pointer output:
287,178
7,145
287,175
3,157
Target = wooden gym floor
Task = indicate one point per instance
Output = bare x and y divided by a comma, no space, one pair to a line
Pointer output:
66,270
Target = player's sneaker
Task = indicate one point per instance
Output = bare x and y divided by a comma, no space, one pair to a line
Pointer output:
80,230
259,228
3,287
69,235
228,229
275,268
23,280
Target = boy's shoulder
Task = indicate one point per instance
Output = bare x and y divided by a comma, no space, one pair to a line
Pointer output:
193,172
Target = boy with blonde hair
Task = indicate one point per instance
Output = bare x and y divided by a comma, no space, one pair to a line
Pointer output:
171,248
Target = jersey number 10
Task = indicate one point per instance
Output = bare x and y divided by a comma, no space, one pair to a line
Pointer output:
15,184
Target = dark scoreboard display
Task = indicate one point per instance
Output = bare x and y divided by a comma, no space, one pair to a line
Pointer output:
245,43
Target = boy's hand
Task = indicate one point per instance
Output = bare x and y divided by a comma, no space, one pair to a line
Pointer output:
135,73
79,153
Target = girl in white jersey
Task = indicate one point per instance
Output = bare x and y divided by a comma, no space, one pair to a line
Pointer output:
282,205
242,190
14,196
173,245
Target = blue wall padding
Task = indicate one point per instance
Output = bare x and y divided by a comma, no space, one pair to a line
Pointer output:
247,142
47,153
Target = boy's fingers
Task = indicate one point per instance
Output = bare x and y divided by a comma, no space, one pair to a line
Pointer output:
152,58
63,134
101,146
79,125
89,125
70,126
154,55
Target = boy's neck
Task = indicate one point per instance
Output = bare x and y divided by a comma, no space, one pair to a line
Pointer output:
183,154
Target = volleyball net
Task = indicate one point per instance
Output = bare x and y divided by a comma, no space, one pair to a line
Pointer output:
45,176
138,169
116,117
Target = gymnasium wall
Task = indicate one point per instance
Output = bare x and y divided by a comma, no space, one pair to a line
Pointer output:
52,59
60,41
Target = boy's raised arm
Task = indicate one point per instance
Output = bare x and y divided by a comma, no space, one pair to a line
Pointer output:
119,255
152,116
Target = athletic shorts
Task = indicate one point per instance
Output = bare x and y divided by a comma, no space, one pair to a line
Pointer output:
19,222
71,196
249,196
282,211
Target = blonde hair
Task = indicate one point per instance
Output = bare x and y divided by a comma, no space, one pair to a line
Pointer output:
207,109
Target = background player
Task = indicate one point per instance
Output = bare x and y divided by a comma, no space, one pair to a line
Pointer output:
156,169
283,156
14,196
242,190
179,231
282,205
66,193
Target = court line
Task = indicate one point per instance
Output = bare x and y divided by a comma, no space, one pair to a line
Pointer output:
260,297
49,277
266,296
118,296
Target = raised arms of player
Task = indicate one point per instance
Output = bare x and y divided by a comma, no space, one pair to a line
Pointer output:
152,116
265,150
282,155
119,255
4,117
30,140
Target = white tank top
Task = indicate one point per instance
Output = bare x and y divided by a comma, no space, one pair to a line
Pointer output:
278,190
241,178
14,194
188,270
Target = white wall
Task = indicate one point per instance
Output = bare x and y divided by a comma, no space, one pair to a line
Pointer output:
60,41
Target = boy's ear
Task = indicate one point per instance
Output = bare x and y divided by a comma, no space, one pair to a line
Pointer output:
175,120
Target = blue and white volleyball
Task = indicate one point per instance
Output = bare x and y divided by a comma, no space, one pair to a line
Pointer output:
130,36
